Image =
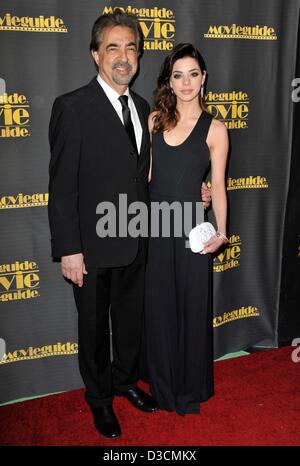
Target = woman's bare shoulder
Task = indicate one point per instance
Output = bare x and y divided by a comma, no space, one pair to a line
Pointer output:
217,131
218,125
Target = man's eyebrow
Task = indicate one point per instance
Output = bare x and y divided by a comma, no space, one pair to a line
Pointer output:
113,44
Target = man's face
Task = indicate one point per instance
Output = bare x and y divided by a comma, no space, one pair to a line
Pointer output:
117,57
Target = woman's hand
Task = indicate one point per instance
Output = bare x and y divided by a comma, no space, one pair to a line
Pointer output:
213,244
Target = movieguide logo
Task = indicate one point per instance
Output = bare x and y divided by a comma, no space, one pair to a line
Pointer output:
248,182
244,312
230,107
234,31
40,23
229,258
24,200
157,24
56,349
19,280
14,115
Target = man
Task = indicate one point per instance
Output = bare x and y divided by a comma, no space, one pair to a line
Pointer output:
94,158
100,148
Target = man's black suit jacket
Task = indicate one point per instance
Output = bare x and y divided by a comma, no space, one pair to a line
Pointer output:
93,160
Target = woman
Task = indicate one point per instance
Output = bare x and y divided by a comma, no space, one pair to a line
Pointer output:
186,141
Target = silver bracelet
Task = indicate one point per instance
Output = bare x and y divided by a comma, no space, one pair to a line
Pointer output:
222,236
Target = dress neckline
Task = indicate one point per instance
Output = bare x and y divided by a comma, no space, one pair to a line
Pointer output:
188,136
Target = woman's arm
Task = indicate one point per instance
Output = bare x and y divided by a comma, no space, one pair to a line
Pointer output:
218,144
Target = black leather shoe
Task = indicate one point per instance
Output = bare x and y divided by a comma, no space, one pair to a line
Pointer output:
139,399
106,421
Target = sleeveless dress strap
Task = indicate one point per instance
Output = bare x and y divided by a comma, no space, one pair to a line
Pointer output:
206,121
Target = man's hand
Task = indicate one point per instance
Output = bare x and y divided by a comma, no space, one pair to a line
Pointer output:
73,268
206,195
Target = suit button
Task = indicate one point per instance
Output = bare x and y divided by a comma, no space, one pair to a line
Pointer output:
134,179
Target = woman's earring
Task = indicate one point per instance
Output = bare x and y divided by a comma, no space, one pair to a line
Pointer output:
202,91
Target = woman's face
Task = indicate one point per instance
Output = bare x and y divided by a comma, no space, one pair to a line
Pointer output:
186,79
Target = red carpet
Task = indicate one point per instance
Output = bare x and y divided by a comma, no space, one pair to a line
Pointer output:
257,402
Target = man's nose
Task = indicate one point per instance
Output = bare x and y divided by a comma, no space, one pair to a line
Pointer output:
123,54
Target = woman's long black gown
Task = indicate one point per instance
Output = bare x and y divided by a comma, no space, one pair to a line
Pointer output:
178,312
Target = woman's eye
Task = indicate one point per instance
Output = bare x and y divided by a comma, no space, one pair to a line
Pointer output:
195,74
176,76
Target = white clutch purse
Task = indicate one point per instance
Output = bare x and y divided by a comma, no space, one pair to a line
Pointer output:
200,234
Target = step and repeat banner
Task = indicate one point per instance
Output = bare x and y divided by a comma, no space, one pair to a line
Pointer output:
289,315
250,50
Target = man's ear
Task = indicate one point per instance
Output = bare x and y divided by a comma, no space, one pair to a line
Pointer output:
95,56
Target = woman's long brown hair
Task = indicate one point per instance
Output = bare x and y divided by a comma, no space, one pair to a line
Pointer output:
166,115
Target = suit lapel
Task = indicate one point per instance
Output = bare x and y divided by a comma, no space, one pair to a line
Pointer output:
143,121
106,108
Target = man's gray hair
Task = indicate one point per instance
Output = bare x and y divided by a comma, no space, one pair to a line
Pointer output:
117,18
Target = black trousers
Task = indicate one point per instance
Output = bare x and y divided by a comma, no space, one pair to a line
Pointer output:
120,290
